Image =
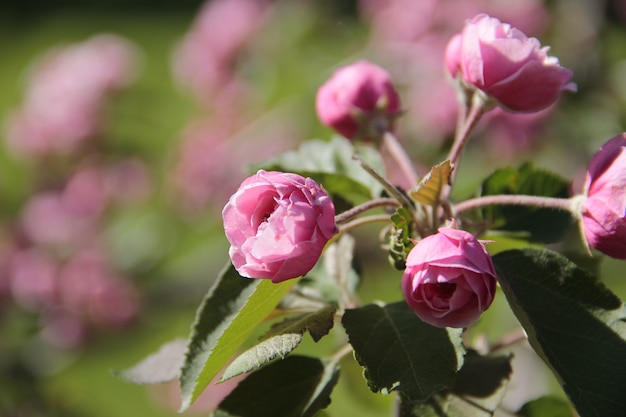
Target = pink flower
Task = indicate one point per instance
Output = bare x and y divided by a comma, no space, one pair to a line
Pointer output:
449,279
278,224
604,209
64,100
507,65
358,99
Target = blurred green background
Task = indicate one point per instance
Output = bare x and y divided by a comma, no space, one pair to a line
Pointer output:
171,254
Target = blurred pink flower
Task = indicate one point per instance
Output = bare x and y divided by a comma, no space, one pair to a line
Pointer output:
32,279
204,61
49,219
358,100
277,224
65,90
212,158
128,181
88,288
63,330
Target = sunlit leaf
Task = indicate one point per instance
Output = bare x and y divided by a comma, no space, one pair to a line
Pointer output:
330,163
428,191
162,366
573,322
281,339
401,352
297,386
231,310
540,224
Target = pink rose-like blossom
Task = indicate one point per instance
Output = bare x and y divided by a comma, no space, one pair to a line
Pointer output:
507,65
278,224
358,99
604,208
449,279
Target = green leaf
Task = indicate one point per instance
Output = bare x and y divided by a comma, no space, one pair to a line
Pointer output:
162,366
400,242
330,163
333,277
401,352
233,307
428,191
480,386
282,338
546,407
573,322
297,386
541,224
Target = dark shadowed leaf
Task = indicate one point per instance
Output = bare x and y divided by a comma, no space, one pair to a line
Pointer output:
401,352
479,389
233,307
297,386
281,339
573,322
330,163
542,225
162,366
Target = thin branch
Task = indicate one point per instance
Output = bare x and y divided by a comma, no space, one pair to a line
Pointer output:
361,208
565,204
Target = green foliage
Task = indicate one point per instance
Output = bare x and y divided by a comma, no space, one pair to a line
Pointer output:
229,313
480,385
573,322
427,192
402,353
541,224
297,386
330,163
162,366
281,339
400,243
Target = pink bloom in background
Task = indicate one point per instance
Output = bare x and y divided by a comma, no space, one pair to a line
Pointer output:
65,92
359,99
278,224
449,279
89,288
212,159
204,62
507,65
604,209
49,219
32,279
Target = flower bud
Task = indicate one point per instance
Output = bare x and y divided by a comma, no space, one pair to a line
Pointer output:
449,279
358,100
604,208
508,66
277,225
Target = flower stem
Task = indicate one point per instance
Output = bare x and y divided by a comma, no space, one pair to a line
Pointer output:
390,188
477,109
363,220
361,208
400,156
565,204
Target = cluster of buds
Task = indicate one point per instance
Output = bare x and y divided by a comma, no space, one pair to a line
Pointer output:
278,224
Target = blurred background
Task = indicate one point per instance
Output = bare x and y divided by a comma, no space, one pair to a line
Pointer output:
127,124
